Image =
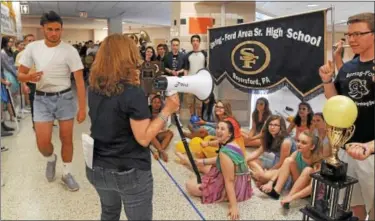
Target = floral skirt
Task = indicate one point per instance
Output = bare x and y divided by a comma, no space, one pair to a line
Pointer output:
213,187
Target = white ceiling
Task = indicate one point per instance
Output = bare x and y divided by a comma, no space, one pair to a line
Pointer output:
342,10
153,13
83,23
159,13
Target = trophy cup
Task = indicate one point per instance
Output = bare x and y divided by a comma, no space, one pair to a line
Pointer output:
340,113
332,168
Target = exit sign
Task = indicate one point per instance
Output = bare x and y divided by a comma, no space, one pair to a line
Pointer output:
83,14
24,9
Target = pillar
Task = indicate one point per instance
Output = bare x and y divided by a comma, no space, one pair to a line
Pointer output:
224,14
114,25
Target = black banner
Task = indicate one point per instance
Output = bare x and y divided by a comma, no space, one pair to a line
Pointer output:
271,53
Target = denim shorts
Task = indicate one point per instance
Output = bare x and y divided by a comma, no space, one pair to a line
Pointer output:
56,107
269,160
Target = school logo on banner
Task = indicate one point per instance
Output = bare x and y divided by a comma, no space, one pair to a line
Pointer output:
271,54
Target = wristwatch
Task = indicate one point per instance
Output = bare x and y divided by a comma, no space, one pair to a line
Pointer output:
328,82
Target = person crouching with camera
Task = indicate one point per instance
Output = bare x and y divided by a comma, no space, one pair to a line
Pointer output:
122,131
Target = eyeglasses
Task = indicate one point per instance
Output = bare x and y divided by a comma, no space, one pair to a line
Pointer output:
357,34
219,107
273,125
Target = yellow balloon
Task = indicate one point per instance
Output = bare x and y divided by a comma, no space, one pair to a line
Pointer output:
340,111
180,147
209,138
195,145
210,151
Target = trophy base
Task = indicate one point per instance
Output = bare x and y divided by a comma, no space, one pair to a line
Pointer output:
321,213
334,173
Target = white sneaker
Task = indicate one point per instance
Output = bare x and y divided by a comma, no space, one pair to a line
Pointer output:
26,111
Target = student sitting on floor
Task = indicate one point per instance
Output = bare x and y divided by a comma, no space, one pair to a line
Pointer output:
207,125
204,165
164,137
305,161
302,120
320,130
259,117
276,147
228,179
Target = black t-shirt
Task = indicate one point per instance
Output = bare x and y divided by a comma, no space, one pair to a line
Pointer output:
354,80
115,146
174,62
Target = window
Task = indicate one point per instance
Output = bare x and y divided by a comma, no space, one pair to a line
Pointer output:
257,93
260,16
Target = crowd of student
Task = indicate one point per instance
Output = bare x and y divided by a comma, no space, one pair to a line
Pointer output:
127,115
11,51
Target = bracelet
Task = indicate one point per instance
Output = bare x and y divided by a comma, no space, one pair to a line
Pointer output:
328,82
204,162
163,118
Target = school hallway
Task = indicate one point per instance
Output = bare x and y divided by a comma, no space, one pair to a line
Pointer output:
28,196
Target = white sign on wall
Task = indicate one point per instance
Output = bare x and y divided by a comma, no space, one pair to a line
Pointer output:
24,9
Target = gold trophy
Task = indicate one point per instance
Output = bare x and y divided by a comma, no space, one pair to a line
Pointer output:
340,113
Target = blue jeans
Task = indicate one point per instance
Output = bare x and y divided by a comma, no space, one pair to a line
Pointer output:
133,188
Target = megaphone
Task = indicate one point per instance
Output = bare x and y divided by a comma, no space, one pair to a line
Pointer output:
200,84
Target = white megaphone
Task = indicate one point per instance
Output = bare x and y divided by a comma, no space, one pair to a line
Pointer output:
200,84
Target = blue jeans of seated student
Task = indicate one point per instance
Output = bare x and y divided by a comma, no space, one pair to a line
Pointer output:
132,188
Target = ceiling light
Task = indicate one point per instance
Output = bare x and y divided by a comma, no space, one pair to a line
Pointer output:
312,5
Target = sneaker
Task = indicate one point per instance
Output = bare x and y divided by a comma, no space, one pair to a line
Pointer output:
4,127
69,181
51,170
6,133
25,111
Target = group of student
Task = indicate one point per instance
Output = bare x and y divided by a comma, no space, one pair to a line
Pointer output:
124,123
293,159
279,162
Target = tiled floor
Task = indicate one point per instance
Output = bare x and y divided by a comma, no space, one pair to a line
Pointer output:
27,195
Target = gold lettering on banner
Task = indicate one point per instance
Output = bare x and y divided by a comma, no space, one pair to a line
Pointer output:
249,52
248,56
